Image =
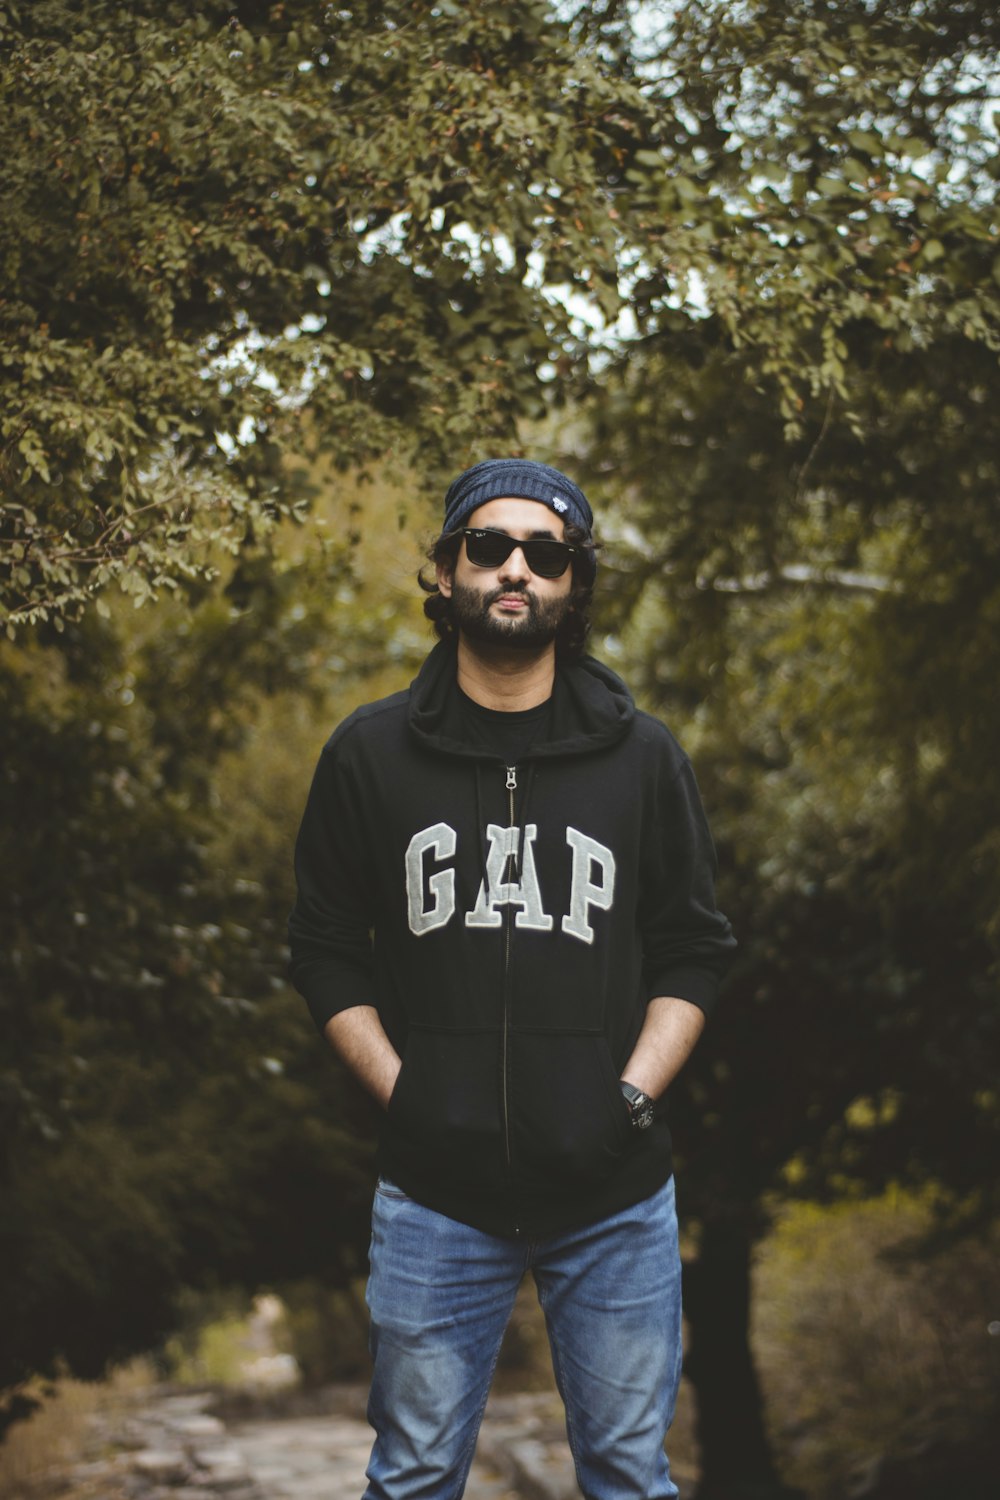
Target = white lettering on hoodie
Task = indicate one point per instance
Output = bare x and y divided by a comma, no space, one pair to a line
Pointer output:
441,887
588,855
431,897
522,892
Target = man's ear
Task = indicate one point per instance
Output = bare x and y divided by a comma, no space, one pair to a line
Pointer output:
445,577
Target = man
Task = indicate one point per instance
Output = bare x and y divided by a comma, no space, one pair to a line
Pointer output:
506,926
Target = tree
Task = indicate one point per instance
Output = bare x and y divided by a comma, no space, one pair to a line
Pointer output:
817,621
168,1118
214,219
808,567
815,170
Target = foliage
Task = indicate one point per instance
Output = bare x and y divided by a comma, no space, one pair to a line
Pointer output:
804,576
816,604
869,1354
61,1433
214,218
814,169
168,1118
821,617
327,1330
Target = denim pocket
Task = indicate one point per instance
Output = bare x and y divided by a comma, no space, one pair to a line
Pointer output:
389,1189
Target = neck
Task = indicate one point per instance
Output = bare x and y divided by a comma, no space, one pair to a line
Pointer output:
506,680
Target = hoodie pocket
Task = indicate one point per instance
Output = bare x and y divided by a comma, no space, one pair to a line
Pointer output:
572,1124
444,1113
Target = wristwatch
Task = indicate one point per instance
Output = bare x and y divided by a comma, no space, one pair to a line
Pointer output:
640,1106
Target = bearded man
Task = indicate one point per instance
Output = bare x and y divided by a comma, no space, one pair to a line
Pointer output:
506,926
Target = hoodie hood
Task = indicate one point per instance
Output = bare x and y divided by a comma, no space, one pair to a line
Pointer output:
591,708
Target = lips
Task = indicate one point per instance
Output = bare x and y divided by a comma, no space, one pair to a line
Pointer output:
512,601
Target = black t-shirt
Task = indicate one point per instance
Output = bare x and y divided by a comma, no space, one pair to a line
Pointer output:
508,736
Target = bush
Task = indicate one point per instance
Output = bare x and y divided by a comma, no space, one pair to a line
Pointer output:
870,1349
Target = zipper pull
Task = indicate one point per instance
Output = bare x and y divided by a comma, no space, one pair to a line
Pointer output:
512,778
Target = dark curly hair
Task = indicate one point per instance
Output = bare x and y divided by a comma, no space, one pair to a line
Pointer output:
571,637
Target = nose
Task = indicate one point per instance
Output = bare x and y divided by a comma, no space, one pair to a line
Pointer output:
514,569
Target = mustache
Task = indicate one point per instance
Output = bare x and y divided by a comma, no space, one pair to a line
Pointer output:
521,591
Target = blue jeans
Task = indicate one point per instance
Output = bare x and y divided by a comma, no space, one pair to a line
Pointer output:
440,1295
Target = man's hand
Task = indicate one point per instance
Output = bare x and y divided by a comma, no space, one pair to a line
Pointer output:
358,1037
666,1041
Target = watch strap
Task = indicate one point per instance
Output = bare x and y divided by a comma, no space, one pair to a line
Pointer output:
640,1105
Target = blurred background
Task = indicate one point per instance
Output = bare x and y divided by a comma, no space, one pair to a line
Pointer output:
270,276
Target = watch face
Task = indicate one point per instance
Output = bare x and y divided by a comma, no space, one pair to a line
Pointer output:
640,1107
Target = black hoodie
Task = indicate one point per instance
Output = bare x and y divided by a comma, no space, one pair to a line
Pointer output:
510,924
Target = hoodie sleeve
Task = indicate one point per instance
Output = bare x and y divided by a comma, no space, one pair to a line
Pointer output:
687,942
329,930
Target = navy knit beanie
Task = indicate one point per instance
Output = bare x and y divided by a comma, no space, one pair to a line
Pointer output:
520,479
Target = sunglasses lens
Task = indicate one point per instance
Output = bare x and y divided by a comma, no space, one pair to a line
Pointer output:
490,549
487,549
547,559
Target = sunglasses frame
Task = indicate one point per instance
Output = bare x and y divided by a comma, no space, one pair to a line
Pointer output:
527,546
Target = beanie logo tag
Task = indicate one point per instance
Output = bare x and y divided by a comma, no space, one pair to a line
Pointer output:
559,504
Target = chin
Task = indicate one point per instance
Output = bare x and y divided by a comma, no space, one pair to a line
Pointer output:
521,635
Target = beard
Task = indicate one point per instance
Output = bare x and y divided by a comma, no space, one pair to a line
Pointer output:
531,631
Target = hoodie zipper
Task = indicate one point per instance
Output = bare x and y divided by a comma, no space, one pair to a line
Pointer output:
511,785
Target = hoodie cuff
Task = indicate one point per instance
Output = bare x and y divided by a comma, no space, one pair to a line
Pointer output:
696,986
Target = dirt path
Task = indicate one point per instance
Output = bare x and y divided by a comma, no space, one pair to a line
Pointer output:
520,1452
176,1447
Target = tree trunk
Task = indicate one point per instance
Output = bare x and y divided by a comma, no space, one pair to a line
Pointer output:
736,1460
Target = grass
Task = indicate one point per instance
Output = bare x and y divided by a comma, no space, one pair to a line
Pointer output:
867,1351
57,1435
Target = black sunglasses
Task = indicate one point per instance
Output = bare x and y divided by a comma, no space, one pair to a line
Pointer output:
545,556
